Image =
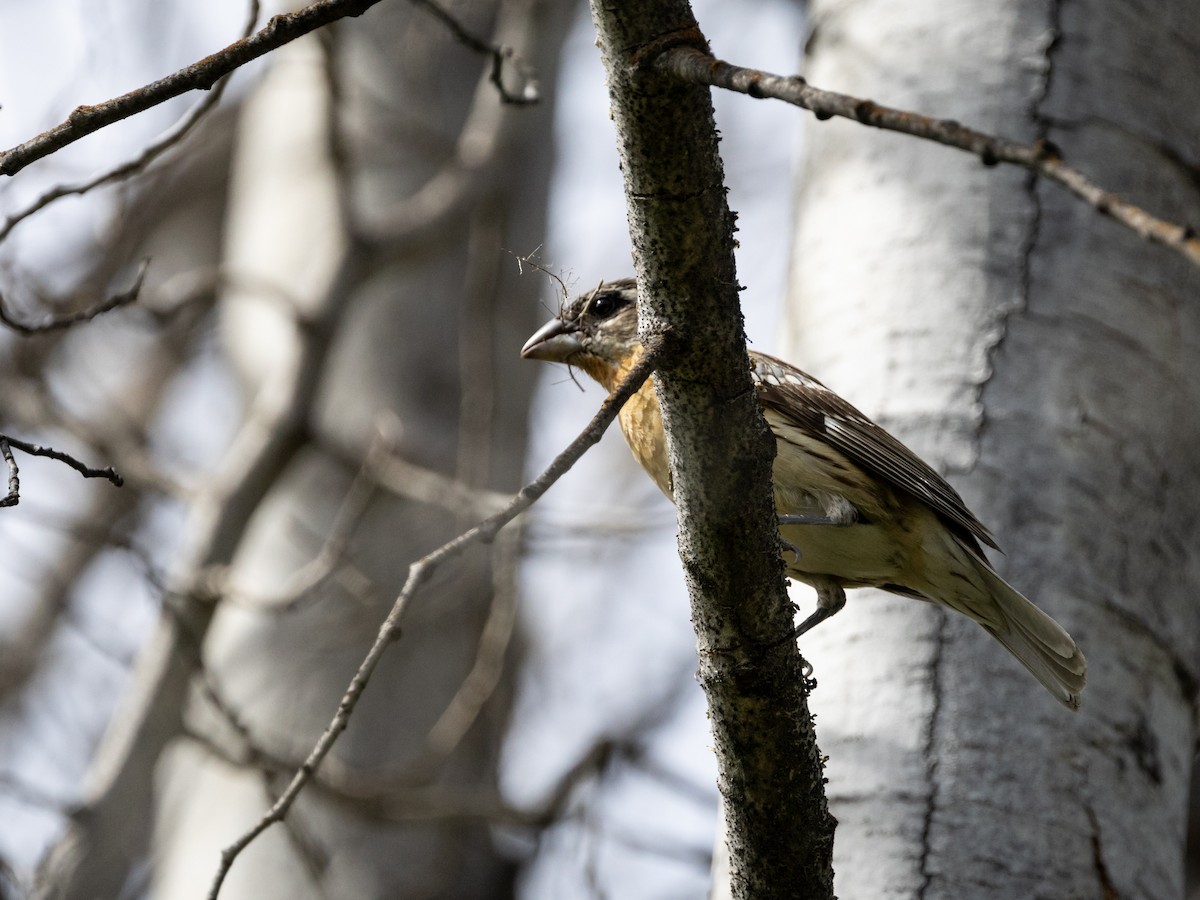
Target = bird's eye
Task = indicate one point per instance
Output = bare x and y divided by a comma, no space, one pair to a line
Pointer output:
604,305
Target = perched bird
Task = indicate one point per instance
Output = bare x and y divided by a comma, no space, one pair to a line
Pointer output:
856,507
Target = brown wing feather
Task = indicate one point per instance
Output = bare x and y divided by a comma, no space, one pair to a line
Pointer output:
809,405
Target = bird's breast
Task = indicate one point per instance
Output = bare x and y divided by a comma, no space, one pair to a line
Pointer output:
641,423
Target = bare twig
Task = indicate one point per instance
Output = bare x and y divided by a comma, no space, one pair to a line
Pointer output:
332,554
32,406
201,75
170,138
1042,157
388,801
397,475
467,176
337,144
205,73
480,684
124,298
420,572
13,497
529,89
37,450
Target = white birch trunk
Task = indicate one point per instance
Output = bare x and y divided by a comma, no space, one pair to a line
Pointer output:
1049,363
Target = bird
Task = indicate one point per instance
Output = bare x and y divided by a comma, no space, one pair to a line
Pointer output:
856,507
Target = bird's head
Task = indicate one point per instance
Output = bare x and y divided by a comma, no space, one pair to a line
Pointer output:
596,331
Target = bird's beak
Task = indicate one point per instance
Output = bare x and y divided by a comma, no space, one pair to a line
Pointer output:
554,342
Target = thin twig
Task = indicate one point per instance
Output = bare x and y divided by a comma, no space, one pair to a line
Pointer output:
32,406
392,802
695,65
124,298
337,144
36,450
529,89
332,555
14,475
399,476
420,572
494,640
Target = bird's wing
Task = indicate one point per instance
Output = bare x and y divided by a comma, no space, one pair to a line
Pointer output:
807,404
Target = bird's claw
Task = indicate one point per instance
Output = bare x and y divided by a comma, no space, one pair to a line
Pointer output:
786,545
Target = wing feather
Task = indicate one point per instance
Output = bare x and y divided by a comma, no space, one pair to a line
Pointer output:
808,405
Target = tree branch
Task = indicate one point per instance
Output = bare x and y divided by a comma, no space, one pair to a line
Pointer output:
202,75
420,572
529,89
175,135
700,67
124,298
720,450
6,445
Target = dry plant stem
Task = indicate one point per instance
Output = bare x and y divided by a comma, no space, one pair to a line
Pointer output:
698,67
124,298
418,573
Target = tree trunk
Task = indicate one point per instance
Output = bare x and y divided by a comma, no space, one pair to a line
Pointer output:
1049,362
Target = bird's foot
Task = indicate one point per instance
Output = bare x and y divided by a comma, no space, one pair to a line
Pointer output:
786,545
830,599
820,614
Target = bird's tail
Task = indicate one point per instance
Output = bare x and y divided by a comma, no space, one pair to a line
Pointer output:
1036,640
